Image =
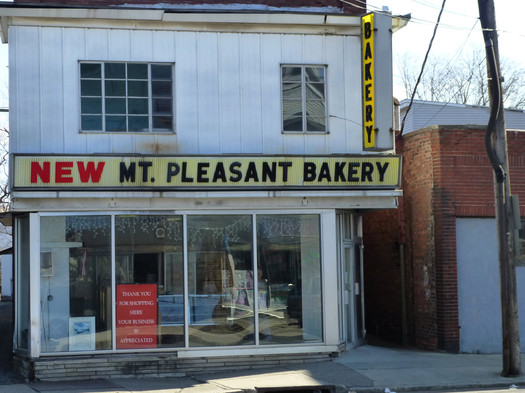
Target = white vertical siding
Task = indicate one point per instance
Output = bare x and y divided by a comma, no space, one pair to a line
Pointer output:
230,101
272,140
226,86
251,93
74,50
208,92
52,108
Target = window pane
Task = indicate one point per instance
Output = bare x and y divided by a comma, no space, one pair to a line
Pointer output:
114,71
220,279
162,107
161,89
75,284
291,73
314,74
149,255
163,122
316,124
137,71
292,108
293,124
115,123
138,106
161,72
91,105
315,91
90,70
90,88
138,123
137,89
315,108
289,279
91,123
115,88
116,106
292,91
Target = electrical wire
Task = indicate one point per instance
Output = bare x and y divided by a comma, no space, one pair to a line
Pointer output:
422,68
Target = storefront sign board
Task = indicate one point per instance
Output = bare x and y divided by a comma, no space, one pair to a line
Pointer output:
176,173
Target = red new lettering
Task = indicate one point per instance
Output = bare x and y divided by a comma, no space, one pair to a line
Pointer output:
63,172
88,171
38,172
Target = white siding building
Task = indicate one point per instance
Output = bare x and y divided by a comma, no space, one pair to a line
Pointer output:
188,185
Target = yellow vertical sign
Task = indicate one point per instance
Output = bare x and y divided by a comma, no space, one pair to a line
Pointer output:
369,130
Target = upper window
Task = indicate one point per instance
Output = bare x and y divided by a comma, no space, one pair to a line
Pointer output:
126,97
304,98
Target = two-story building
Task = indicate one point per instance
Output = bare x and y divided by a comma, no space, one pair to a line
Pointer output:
188,181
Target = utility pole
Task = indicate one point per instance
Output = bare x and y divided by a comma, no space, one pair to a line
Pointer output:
496,145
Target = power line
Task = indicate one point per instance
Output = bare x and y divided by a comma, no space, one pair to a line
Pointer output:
422,68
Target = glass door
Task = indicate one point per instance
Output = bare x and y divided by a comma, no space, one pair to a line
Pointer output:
351,279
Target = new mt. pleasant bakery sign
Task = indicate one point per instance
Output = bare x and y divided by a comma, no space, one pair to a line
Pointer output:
56,172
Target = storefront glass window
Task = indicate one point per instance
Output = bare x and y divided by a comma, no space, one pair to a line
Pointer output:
22,298
220,280
289,279
150,281
154,297
75,283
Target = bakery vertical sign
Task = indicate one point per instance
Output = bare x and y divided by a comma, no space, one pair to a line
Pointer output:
368,59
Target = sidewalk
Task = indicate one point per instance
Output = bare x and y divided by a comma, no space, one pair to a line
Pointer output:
361,370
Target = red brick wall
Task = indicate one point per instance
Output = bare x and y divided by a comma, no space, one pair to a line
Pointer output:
446,174
350,9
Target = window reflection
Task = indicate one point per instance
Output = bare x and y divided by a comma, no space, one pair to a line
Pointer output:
149,260
75,283
220,266
289,279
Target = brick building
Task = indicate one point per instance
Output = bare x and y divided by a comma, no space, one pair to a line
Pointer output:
437,254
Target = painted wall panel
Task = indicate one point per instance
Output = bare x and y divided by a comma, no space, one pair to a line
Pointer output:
119,45
272,139
227,90
74,141
251,102
51,82
230,93
28,90
353,118
187,115
478,287
208,93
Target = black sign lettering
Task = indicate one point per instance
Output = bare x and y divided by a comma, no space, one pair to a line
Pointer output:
251,173
339,174
220,173
324,173
235,171
309,171
145,166
202,172
127,174
366,171
368,30
353,168
173,170
381,170
269,173
185,178
285,165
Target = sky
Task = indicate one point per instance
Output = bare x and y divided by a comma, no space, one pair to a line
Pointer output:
459,32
